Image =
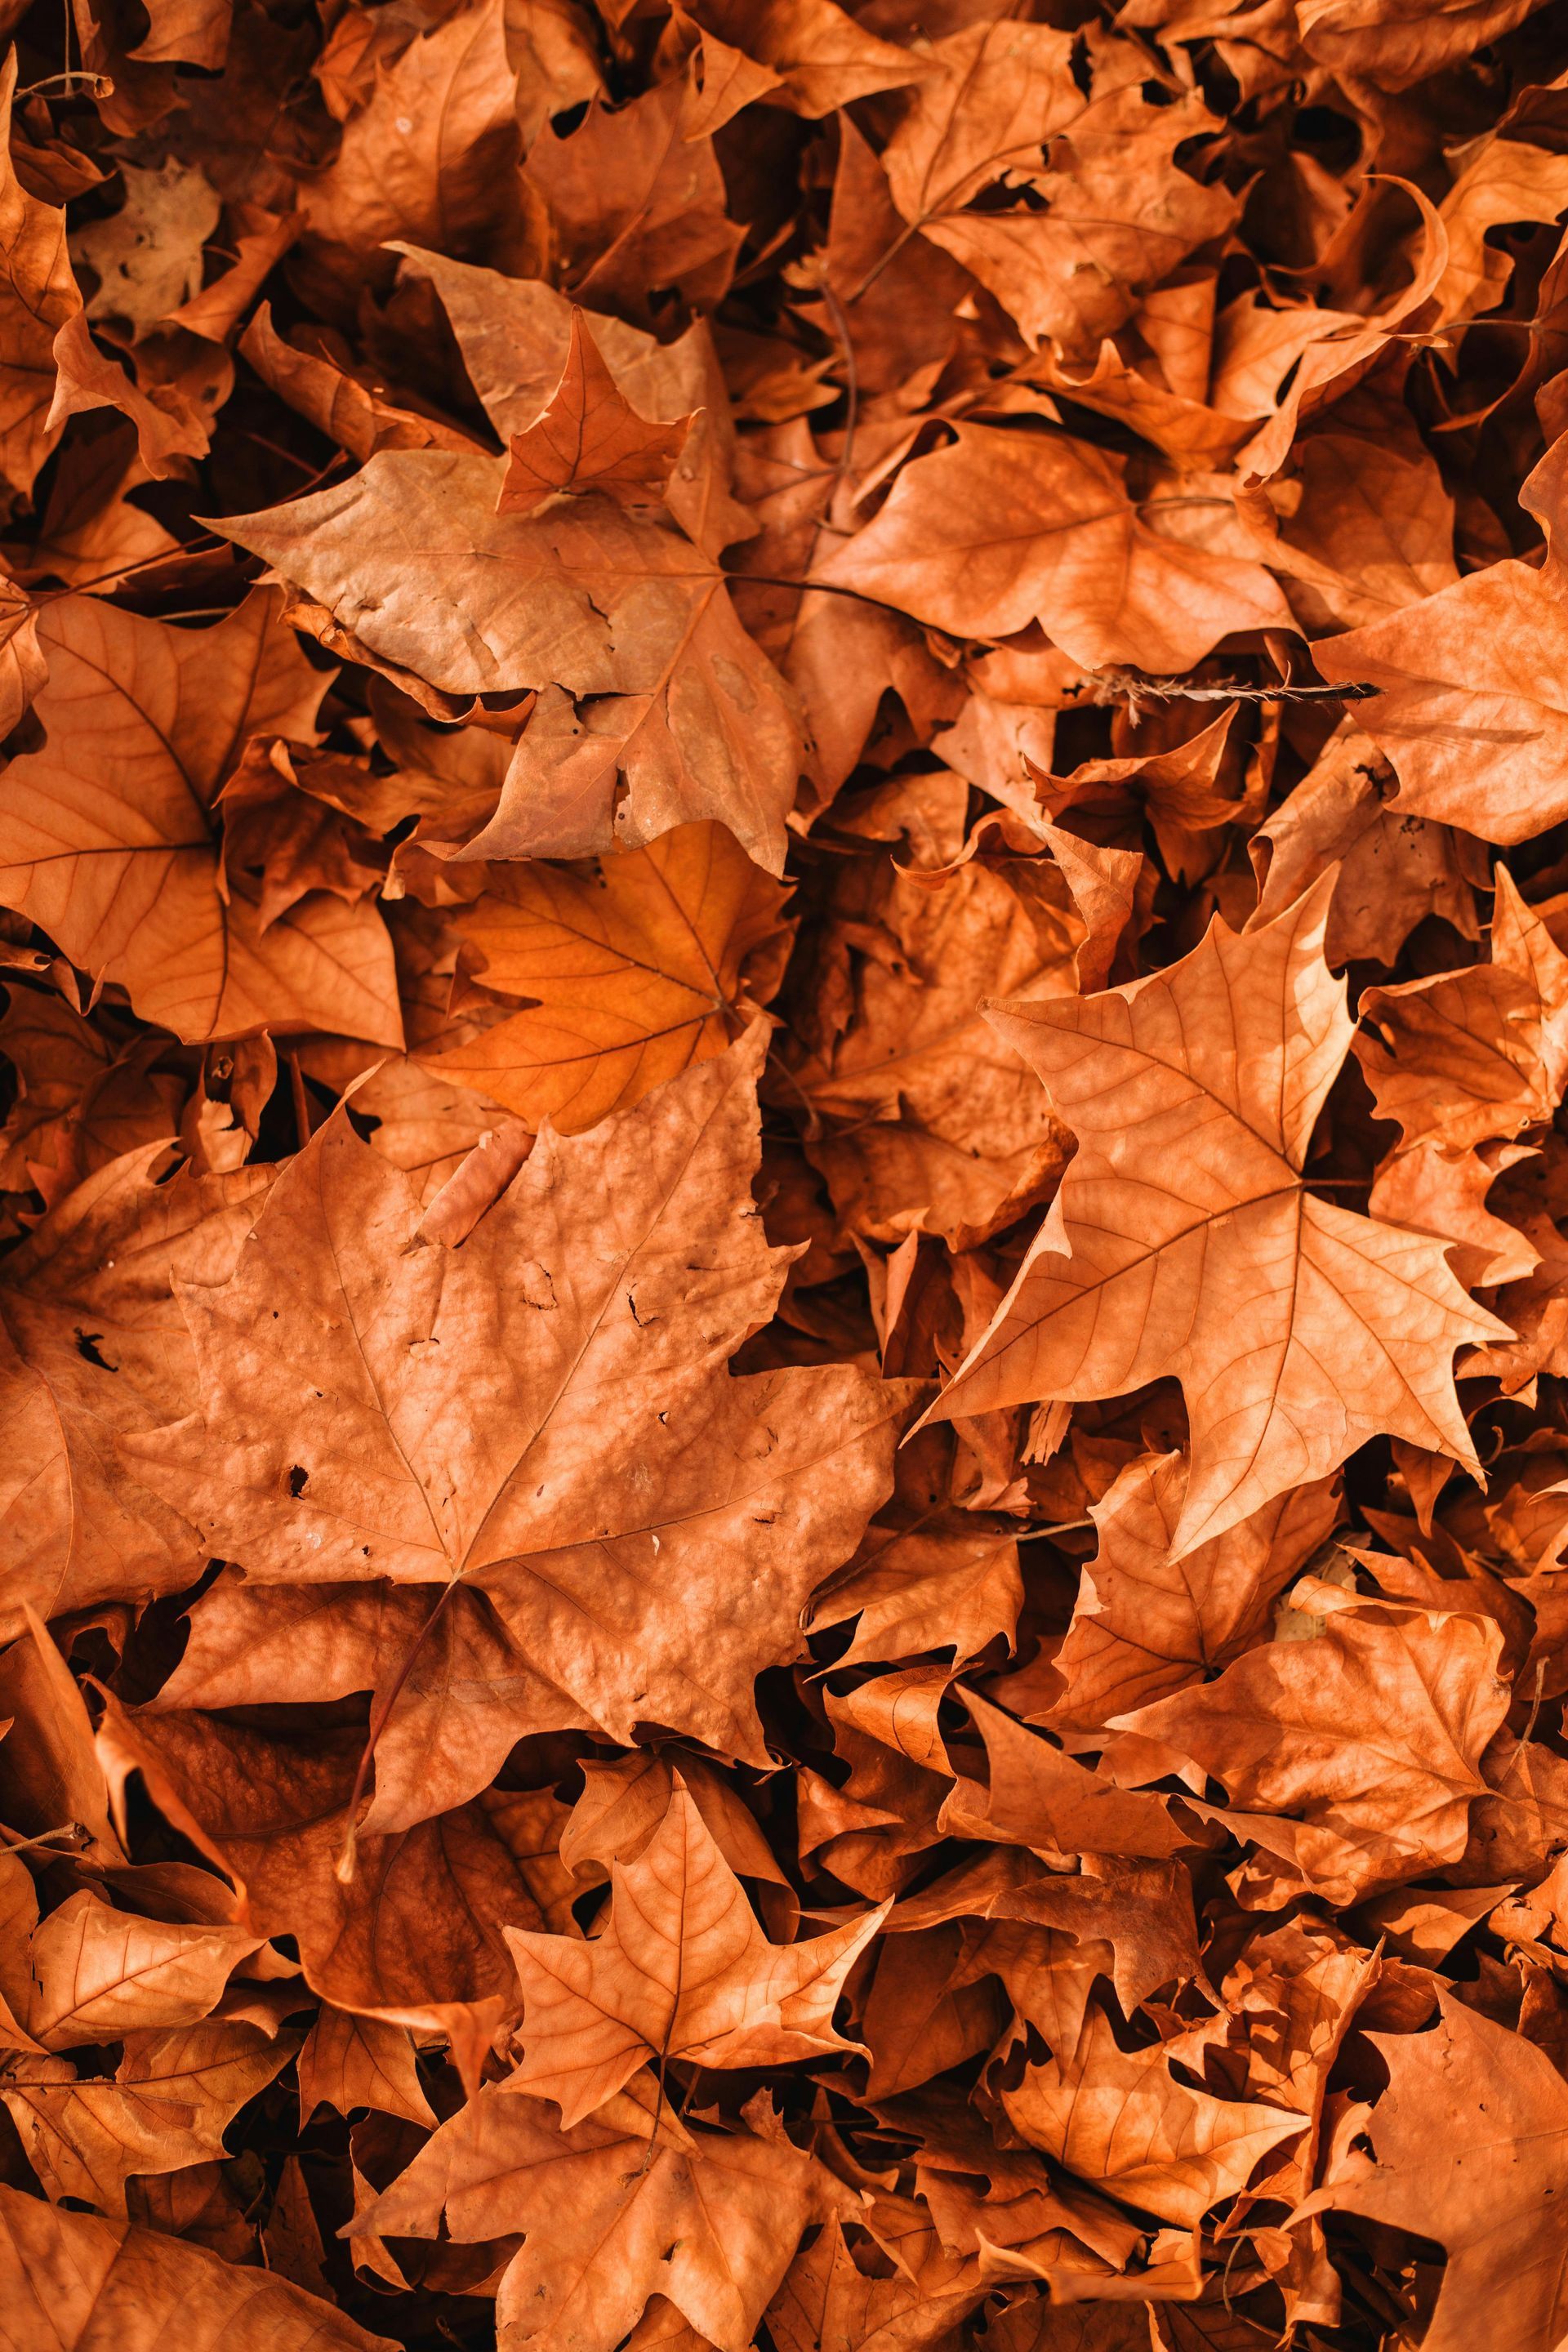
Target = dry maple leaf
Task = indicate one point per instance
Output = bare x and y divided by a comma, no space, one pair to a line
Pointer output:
280,826
147,256
610,2215
1122,2120
95,2285
811,522
1146,1623
926,1590
431,155
829,2299
1470,2144
1507,179
624,1803
625,617
1403,41
108,839
1470,707
1478,1054
615,1461
1462,1061
1065,266
100,1973
80,1104
589,437
821,58
515,337
1039,1797
1368,1736
451,1699
94,1349
1310,358
350,2061
413,1936
166,2105
928,1119
1389,870
1185,1241
358,419
637,199
998,94
840,653
630,976
1380,520
680,1971
1002,528
38,294
895,294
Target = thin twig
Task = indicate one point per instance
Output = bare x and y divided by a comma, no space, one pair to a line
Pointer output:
93,83
834,310
1126,686
124,570
71,1829
1517,1758
804,587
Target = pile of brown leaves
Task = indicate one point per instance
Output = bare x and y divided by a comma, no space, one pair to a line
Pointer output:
784,1231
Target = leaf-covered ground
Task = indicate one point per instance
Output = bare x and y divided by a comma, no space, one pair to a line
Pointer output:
783,1233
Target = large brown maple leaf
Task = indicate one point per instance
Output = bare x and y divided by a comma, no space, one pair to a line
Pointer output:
544,1412
1185,1240
611,2214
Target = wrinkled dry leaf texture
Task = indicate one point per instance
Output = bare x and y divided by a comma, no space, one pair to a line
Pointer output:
723,727
612,1452
413,560
1185,1242
108,835
609,2218
633,974
682,1972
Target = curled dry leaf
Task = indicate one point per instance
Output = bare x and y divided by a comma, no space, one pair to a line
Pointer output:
1468,2146
100,1973
1123,2120
785,1287
1366,1738
166,2105
1149,1621
1486,757
111,2283
1000,529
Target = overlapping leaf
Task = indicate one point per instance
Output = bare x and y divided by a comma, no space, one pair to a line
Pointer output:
728,730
